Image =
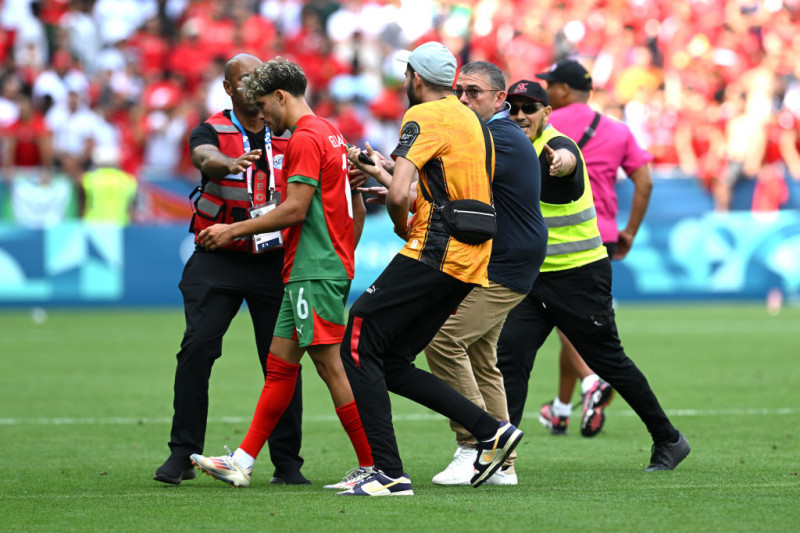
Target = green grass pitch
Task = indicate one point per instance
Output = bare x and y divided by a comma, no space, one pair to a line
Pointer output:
86,400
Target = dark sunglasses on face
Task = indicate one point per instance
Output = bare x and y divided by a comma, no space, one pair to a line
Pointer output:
529,108
472,92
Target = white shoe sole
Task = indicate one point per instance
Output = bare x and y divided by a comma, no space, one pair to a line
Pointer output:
220,476
504,480
450,482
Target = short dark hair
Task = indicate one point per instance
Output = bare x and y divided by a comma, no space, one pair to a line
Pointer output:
491,71
273,75
427,83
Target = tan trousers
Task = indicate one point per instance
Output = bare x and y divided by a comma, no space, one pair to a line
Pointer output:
464,352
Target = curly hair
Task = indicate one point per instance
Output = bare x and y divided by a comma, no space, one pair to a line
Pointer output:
273,75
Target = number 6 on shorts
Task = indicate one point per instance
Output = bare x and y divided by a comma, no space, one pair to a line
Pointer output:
312,311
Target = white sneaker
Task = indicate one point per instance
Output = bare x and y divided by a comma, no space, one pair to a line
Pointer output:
503,477
223,468
461,468
352,478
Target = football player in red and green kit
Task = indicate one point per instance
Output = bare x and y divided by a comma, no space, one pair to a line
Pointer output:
319,233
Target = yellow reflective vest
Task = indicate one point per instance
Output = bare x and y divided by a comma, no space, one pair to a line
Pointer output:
573,239
110,193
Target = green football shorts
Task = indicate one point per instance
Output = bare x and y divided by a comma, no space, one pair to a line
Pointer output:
312,311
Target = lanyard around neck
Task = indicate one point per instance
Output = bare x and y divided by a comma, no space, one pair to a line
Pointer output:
503,113
267,146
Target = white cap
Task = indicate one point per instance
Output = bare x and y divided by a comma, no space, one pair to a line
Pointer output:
432,61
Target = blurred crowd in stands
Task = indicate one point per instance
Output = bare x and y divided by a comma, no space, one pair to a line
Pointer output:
710,87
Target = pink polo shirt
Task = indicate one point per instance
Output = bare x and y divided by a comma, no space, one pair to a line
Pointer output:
612,147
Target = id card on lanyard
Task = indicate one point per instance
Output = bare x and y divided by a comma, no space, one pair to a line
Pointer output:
263,196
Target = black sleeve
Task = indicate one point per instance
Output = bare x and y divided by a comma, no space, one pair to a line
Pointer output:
203,133
558,143
567,188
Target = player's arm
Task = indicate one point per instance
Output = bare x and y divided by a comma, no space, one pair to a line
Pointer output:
208,159
642,187
398,198
381,169
292,211
359,215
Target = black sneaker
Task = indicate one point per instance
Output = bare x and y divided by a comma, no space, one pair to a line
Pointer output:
668,456
379,484
288,478
493,452
174,470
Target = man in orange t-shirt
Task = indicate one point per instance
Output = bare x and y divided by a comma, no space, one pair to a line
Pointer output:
451,150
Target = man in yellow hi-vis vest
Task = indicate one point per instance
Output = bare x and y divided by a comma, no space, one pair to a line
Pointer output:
109,192
573,290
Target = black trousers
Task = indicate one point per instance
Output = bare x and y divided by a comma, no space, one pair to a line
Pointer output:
578,302
213,285
388,326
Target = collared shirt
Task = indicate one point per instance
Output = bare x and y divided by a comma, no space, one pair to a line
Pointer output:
612,147
519,247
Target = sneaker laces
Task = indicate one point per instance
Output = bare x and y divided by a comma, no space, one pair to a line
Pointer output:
659,454
462,455
351,475
356,474
234,463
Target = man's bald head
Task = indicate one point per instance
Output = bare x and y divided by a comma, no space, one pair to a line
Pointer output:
237,69
239,64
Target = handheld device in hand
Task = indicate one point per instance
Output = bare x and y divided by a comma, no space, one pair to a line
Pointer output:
363,157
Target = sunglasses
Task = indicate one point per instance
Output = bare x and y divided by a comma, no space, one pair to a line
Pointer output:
529,108
472,92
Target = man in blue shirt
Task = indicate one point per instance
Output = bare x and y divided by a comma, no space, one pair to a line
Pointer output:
464,351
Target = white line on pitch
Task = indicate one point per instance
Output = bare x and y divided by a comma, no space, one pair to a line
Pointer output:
400,417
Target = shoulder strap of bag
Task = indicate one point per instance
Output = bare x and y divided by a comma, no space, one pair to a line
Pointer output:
487,142
590,131
425,193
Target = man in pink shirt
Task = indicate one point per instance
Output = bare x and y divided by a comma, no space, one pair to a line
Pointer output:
607,145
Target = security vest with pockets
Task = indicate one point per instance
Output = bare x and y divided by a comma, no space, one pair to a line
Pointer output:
227,200
573,239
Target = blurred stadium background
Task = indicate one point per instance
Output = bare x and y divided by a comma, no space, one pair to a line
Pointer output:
710,87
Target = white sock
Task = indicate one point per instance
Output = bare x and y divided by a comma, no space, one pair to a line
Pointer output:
588,382
561,409
243,459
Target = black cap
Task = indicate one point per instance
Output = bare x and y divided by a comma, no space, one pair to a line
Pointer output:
570,72
529,89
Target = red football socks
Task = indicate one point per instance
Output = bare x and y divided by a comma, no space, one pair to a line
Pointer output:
275,398
351,421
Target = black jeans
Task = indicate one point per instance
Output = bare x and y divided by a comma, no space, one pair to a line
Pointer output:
213,285
578,302
388,326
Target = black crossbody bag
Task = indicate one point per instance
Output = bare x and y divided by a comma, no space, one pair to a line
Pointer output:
469,221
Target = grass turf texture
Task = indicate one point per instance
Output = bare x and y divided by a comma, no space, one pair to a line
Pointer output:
87,398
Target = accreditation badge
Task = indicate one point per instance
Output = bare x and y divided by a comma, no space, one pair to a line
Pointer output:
272,239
